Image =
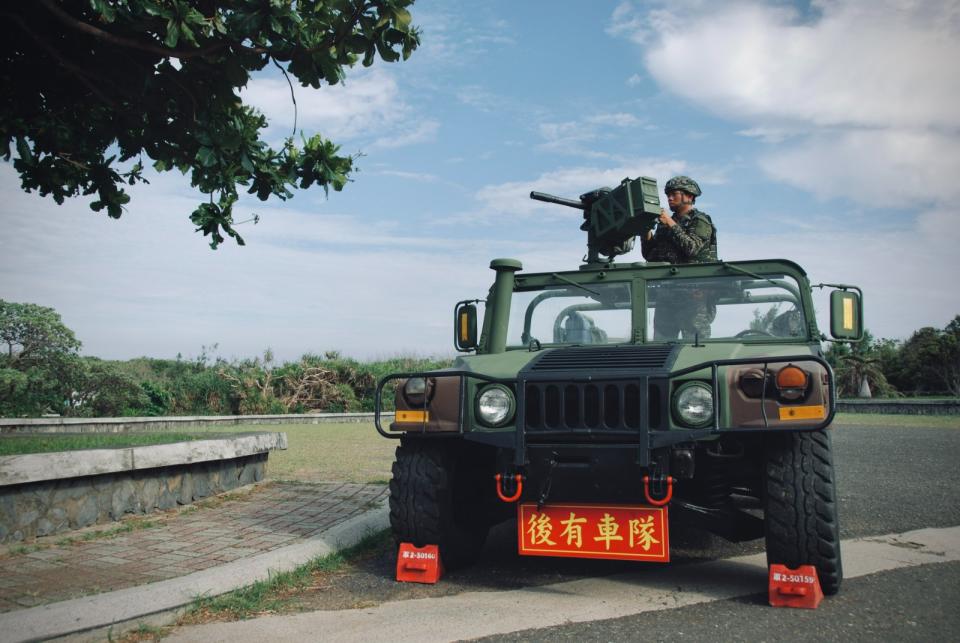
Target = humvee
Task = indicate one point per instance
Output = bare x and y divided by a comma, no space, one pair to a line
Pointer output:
569,413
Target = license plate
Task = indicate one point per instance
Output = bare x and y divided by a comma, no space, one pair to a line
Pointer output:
623,532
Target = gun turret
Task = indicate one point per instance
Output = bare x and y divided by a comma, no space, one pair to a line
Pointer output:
559,200
613,217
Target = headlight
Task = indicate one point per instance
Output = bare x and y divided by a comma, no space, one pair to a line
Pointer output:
693,404
415,386
495,405
415,391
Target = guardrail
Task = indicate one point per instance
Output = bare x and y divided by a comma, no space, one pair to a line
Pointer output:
118,425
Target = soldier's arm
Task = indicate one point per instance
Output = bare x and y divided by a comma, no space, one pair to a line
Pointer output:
647,244
692,242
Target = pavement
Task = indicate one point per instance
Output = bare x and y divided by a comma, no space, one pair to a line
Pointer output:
87,585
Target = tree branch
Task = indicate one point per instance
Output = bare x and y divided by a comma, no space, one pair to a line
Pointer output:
130,43
80,73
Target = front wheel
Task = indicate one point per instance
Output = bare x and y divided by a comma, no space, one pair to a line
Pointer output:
801,505
436,499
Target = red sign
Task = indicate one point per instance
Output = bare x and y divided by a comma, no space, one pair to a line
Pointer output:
622,532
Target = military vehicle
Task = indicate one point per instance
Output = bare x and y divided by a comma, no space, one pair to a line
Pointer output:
599,435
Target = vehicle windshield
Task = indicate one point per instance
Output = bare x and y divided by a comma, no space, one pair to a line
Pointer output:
736,307
571,314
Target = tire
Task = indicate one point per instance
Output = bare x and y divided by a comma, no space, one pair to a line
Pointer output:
435,499
800,506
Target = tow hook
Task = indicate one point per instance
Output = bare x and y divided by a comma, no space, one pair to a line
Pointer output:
658,483
518,478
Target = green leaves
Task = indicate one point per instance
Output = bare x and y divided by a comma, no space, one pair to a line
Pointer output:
164,83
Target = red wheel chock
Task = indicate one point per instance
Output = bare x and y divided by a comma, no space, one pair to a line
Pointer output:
419,564
662,501
516,496
798,587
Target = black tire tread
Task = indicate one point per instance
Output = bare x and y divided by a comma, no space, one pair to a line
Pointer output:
801,505
421,497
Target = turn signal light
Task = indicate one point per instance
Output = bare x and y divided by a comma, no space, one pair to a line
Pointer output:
791,377
792,382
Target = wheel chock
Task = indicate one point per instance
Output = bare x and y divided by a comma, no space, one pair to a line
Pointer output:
418,564
798,587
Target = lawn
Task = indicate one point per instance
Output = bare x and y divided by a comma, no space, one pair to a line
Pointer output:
348,452
48,442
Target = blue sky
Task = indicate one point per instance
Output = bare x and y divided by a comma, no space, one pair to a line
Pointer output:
823,132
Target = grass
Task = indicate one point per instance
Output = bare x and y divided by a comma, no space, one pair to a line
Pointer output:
49,442
274,594
127,526
346,452
877,419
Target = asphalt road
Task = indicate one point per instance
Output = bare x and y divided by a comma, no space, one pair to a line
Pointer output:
890,480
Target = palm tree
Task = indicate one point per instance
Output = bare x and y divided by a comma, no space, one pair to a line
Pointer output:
857,376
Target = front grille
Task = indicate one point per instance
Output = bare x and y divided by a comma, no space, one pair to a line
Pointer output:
606,358
593,407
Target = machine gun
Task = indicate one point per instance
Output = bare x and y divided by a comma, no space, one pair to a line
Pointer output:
613,217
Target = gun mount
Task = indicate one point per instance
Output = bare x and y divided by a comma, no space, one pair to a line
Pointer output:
613,217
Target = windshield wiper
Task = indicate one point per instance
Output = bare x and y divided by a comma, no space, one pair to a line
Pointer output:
573,283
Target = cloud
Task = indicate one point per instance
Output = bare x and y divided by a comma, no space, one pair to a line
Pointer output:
421,132
575,137
908,276
881,168
618,119
368,100
862,85
368,108
306,281
423,177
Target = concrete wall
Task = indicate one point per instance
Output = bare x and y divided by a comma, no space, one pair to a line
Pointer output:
118,425
900,407
48,493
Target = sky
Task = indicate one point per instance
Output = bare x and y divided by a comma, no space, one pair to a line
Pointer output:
825,132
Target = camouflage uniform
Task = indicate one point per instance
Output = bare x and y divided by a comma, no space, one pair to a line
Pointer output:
683,311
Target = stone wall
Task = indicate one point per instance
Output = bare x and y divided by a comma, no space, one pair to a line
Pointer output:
900,406
53,506
128,424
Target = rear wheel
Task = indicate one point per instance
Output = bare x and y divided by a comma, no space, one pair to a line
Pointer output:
436,499
801,505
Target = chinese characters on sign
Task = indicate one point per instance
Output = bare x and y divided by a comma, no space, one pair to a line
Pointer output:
592,531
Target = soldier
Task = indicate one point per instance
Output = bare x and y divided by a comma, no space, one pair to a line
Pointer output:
688,236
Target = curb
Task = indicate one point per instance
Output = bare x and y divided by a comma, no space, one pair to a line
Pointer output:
93,617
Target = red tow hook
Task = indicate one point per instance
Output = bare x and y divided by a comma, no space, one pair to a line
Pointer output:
516,496
662,501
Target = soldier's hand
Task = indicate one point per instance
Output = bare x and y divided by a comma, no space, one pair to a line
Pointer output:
666,219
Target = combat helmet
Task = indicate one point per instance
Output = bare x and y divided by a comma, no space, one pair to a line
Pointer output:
684,184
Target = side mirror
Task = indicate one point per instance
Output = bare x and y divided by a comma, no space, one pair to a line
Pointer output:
846,315
465,327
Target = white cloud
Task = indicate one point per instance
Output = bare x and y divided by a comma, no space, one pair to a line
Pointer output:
410,133
366,101
864,86
423,177
306,281
573,137
908,276
618,119
881,168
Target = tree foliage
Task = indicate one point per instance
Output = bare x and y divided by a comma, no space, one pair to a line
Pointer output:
38,365
94,86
